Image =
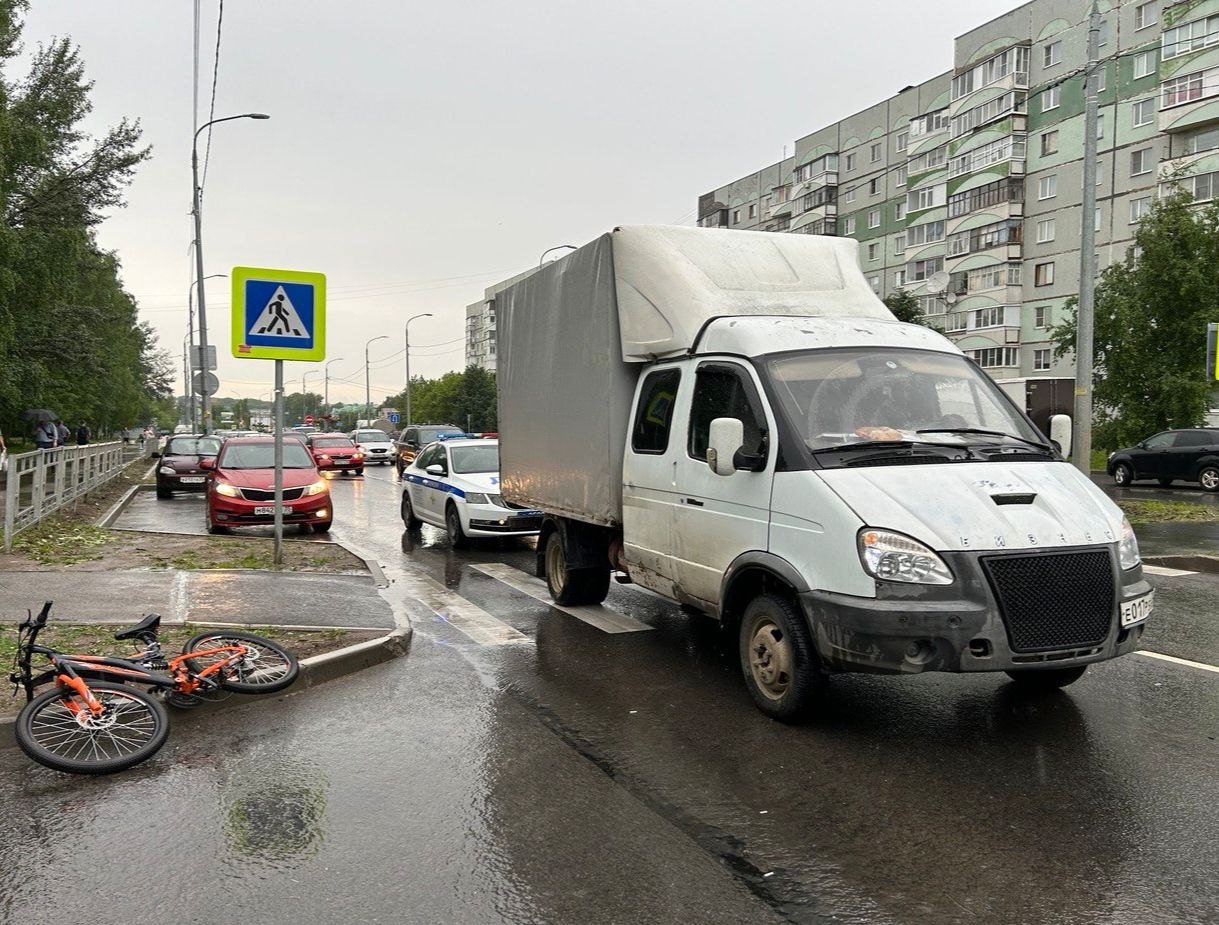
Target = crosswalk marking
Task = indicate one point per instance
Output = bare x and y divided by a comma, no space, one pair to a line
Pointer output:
459,613
1164,572
600,616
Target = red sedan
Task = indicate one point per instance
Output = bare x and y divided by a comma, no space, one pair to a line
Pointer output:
241,490
335,453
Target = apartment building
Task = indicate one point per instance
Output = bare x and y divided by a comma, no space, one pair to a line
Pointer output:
977,172
480,324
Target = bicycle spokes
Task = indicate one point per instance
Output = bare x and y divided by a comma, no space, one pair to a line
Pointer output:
69,730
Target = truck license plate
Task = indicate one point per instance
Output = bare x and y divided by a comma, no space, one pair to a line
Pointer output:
270,509
1137,610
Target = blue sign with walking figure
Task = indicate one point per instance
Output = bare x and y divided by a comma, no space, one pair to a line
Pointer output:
278,314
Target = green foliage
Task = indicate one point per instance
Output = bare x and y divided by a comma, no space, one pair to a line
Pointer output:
60,540
70,337
1151,317
905,306
467,399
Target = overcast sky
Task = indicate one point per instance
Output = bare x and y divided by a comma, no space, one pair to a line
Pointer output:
418,151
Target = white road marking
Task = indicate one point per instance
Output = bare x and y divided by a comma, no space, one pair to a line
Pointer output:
1178,661
599,616
459,613
1165,572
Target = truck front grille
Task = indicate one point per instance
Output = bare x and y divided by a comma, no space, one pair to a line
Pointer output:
1053,600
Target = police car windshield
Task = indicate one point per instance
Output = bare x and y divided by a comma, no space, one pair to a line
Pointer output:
467,459
262,456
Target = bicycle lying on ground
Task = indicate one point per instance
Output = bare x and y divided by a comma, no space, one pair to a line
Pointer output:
95,722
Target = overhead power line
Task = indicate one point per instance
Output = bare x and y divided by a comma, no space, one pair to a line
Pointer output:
207,152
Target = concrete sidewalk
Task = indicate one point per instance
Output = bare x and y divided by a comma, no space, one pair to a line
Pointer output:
223,596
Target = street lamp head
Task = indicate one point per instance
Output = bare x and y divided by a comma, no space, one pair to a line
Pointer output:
257,115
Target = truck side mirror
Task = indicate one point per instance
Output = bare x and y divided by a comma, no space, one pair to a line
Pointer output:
725,438
1060,433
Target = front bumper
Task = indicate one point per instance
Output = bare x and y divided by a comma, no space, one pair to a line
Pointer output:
238,511
909,629
175,482
338,465
490,520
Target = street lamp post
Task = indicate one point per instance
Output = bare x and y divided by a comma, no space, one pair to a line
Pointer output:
555,248
199,277
326,396
305,393
406,338
367,386
190,326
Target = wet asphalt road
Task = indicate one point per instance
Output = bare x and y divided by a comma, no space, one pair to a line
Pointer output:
523,765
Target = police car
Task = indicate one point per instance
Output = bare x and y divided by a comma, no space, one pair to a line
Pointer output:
454,484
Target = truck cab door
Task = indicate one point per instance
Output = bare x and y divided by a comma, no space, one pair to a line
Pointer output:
649,479
718,517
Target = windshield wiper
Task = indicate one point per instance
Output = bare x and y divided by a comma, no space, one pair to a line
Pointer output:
985,433
890,445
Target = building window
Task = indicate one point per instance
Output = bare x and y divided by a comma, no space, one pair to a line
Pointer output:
849,226
1103,38
1146,14
850,162
1187,89
899,176
1144,111
1045,230
1100,79
1206,139
899,247
874,186
1096,219
1100,129
983,197
1203,186
1047,187
899,277
1049,142
924,269
1043,274
1041,358
902,141
1144,64
874,218
850,196
991,71
753,210
874,282
955,322
1138,208
988,317
873,251
1041,317
926,198
1191,36
1052,54
876,151
1140,162
994,357
736,216
1007,148
1051,97
899,211
927,233
1012,101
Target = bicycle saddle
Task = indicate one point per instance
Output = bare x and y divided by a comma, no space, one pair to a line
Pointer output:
146,627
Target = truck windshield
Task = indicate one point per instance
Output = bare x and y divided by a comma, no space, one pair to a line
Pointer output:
837,399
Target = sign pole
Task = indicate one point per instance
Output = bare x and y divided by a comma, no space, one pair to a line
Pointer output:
279,463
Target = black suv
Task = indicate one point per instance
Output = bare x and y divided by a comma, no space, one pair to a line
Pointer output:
1190,455
414,438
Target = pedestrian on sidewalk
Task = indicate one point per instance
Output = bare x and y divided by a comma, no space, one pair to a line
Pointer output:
82,434
46,435
64,433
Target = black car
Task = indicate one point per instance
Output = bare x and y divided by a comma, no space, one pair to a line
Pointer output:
1189,455
181,465
414,438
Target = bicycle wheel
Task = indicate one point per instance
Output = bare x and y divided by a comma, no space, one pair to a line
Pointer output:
133,729
266,668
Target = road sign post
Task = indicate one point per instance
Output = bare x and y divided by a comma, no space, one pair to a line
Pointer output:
279,315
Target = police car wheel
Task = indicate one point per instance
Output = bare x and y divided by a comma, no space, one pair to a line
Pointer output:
408,512
452,522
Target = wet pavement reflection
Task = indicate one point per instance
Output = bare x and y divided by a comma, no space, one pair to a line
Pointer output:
574,775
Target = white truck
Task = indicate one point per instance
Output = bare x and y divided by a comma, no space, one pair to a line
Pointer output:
735,421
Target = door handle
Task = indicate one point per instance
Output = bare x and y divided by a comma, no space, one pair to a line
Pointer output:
695,502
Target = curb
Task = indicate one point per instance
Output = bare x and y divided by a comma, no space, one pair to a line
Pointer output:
117,508
1192,563
315,670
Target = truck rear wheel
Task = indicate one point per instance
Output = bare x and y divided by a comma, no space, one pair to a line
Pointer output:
780,662
573,587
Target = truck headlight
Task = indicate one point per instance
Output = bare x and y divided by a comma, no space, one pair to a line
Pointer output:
893,556
475,497
1128,547
317,488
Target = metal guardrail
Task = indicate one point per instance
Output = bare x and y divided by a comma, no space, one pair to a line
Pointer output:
42,482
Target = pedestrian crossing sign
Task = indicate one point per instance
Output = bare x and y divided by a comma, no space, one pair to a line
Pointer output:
278,314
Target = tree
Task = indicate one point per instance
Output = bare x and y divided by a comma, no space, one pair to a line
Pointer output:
70,337
467,399
1151,315
905,306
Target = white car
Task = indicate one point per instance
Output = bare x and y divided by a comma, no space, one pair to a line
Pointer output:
376,445
454,484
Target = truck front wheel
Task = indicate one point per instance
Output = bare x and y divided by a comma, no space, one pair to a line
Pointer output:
572,587
781,667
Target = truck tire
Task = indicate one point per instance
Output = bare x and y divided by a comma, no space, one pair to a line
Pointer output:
782,670
573,587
